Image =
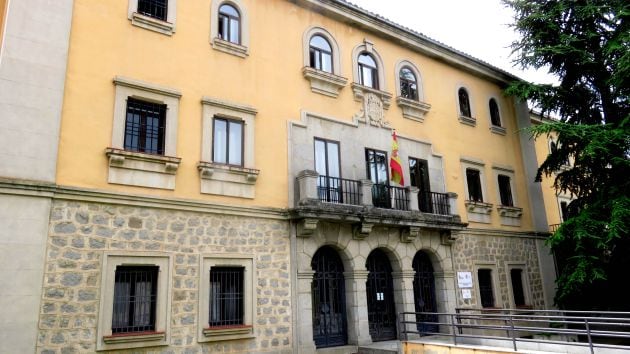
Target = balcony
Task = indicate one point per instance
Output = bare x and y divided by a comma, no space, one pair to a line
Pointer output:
365,205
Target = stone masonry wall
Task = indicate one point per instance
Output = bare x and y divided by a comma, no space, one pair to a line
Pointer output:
499,250
80,233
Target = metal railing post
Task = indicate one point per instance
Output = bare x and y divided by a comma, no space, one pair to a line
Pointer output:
512,330
454,329
588,334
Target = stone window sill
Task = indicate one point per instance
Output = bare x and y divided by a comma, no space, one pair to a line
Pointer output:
135,337
359,91
152,24
509,211
221,179
468,120
414,110
478,211
324,83
246,330
140,169
498,130
230,48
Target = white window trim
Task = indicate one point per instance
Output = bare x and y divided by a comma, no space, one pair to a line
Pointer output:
359,90
411,109
241,49
496,129
249,282
525,282
163,303
322,82
219,178
496,290
165,27
471,121
137,168
477,211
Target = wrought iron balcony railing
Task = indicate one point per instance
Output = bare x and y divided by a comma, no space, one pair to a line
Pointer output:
434,203
390,197
338,190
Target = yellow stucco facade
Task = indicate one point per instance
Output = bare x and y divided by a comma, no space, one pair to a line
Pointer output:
270,80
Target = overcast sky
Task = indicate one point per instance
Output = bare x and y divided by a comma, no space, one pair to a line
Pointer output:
476,27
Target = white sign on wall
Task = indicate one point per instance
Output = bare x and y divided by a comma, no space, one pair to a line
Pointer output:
464,280
466,294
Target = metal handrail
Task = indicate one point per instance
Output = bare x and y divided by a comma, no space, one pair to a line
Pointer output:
518,325
434,203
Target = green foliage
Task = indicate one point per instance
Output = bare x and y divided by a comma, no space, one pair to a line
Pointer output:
586,44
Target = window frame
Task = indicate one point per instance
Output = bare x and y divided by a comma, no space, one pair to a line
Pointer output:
240,49
142,135
106,340
230,19
227,139
464,119
218,299
319,52
494,276
205,332
368,173
118,273
496,116
505,195
466,104
402,81
373,71
326,142
163,26
525,283
469,195
162,18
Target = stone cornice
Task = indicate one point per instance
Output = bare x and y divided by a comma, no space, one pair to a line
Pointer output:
57,192
358,17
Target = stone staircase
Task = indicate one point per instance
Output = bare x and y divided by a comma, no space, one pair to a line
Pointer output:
387,347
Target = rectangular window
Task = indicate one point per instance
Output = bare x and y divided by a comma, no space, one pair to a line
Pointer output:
376,162
564,211
518,292
228,142
226,296
473,181
144,126
153,8
135,295
505,190
486,290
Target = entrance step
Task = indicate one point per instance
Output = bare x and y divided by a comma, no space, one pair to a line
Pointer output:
387,347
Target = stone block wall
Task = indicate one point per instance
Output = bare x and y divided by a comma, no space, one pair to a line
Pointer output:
474,249
80,233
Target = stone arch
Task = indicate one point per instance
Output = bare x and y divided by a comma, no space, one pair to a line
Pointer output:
336,51
368,47
414,69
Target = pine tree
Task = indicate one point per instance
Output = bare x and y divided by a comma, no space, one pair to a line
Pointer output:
586,44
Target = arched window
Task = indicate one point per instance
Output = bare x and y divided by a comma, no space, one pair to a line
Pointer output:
464,103
368,72
495,116
408,84
229,24
320,53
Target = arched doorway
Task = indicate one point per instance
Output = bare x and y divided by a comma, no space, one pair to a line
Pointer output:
380,297
329,301
424,293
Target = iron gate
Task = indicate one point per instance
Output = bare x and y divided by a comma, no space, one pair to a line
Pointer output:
424,293
380,297
329,311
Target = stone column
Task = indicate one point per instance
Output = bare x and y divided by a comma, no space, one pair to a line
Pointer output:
356,307
446,298
404,299
307,184
412,194
452,202
306,345
366,192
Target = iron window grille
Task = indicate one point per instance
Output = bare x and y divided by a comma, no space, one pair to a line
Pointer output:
227,143
408,84
135,295
505,190
518,292
473,180
226,296
144,126
464,103
154,8
229,24
495,117
320,54
486,290
368,72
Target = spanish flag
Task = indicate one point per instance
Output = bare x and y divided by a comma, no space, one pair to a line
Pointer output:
395,165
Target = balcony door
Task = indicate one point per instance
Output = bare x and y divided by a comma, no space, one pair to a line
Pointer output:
329,169
377,172
419,173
